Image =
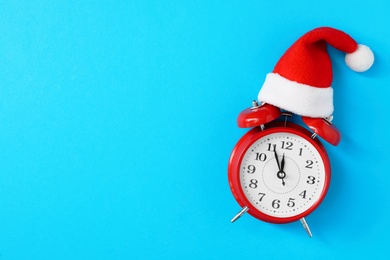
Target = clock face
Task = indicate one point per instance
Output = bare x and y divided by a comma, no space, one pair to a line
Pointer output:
283,175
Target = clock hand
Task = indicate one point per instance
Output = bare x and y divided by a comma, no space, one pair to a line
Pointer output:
280,174
276,157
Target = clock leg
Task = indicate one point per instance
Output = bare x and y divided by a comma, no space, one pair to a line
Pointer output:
306,226
239,214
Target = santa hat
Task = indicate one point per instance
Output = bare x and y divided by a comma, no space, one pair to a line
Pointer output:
301,80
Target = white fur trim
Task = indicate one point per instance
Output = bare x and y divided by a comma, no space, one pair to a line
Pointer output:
361,59
300,99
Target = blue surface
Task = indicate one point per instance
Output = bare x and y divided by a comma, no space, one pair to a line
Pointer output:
117,120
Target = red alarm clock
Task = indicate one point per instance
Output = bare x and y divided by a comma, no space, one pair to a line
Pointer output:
279,172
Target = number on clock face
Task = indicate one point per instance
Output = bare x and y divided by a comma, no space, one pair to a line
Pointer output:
286,186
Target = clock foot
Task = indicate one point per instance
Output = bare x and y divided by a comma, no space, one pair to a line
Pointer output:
239,214
306,226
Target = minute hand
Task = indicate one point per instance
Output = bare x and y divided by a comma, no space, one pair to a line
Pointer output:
276,158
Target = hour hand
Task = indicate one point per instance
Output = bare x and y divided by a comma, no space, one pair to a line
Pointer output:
280,174
281,171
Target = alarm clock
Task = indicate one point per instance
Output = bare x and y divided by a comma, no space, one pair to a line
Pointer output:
279,172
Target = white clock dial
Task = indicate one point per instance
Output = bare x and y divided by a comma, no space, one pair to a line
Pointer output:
282,175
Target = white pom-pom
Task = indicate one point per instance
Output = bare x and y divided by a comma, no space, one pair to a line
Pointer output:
361,59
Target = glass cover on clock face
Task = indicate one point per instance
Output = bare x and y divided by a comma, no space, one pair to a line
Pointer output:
282,174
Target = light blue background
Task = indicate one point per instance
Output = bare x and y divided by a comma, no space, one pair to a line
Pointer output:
117,119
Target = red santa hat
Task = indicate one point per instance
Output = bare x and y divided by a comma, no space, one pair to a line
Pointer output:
301,80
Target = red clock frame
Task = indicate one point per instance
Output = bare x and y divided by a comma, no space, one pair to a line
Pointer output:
243,145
